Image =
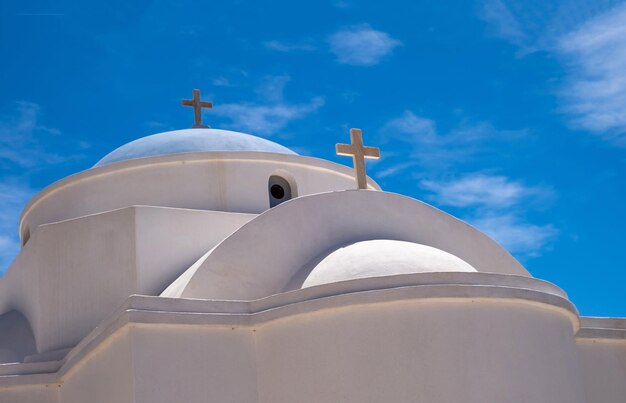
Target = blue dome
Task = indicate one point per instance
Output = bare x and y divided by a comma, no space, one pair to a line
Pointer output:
189,141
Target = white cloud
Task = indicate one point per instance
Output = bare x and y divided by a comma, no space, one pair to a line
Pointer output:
361,45
394,169
589,38
230,77
595,91
410,127
534,25
21,150
478,190
502,22
515,235
433,149
286,47
272,88
221,82
19,143
495,205
266,119
273,114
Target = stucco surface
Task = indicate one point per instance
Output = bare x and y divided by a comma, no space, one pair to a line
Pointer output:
169,240
442,341
322,223
203,364
601,346
33,394
382,257
603,366
16,337
73,273
107,376
439,352
233,181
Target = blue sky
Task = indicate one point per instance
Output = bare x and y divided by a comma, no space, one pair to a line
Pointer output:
510,115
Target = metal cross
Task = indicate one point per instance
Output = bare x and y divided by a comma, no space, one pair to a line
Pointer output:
197,105
358,152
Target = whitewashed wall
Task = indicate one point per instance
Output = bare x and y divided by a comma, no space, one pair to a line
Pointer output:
221,181
73,273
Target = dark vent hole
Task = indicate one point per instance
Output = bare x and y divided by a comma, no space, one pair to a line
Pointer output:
277,191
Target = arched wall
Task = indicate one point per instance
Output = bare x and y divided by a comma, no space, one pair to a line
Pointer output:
472,351
219,181
463,337
16,338
279,242
73,273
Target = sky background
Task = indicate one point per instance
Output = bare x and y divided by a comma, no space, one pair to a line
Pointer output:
510,115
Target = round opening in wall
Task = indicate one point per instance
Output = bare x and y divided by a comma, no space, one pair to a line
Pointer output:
277,191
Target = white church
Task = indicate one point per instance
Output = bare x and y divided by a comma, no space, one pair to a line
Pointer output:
206,265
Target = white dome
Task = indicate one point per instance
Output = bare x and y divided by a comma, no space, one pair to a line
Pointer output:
382,257
191,140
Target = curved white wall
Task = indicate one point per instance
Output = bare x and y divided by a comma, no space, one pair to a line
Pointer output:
510,339
602,352
382,257
303,228
73,273
466,351
219,181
